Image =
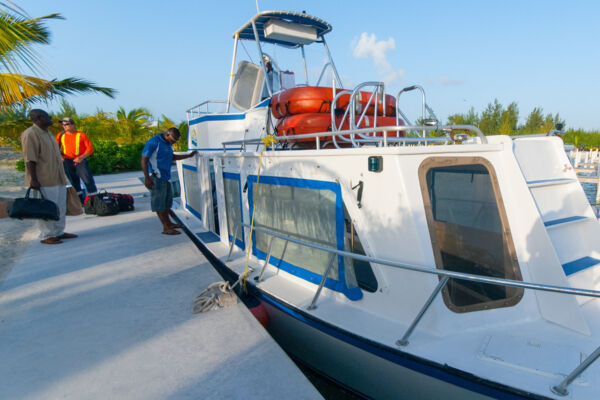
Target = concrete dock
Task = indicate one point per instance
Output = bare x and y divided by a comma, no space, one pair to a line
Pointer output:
108,316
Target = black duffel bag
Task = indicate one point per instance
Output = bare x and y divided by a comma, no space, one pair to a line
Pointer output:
125,201
30,208
101,204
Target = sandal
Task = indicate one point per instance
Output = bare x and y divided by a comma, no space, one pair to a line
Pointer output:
179,226
171,232
51,240
67,236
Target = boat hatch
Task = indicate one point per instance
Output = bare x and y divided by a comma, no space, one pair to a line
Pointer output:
309,210
285,28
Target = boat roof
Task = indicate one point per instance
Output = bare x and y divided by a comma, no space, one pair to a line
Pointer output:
247,33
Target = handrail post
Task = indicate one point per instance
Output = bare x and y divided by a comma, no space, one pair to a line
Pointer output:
561,389
313,304
237,229
266,259
438,288
259,279
282,253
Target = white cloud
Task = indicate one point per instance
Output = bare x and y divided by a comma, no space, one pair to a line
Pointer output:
368,47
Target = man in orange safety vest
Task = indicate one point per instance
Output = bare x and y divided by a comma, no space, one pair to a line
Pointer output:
75,147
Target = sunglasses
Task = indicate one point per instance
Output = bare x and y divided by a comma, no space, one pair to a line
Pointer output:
67,123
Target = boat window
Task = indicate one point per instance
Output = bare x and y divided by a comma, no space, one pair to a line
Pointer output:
362,271
307,210
233,207
247,86
191,186
469,231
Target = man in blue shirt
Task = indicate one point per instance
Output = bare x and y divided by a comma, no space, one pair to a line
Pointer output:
157,158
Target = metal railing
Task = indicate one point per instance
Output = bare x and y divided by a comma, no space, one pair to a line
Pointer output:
196,111
384,140
330,65
376,96
560,389
425,109
553,132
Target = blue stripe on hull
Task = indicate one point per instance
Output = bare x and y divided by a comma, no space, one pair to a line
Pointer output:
227,117
218,117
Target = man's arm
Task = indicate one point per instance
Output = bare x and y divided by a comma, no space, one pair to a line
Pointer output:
147,180
31,168
82,157
30,145
184,156
89,149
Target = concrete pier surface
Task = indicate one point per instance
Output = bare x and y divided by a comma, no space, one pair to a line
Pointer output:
108,316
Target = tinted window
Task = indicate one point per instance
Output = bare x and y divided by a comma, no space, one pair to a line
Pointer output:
469,232
192,190
231,186
362,271
304,213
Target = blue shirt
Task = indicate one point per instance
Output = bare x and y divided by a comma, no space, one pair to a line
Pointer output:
160,153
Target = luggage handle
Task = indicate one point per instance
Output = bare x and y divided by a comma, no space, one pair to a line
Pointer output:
29,189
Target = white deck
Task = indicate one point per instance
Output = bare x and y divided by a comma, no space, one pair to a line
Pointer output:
108,315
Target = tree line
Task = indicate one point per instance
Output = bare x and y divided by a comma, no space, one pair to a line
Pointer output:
496,119
122,126
499,120
118,137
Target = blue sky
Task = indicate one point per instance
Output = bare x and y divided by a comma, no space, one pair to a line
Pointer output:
169,56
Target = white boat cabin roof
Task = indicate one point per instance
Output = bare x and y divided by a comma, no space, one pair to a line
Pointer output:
298,19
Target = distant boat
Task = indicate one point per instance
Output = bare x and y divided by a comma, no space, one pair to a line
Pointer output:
400,260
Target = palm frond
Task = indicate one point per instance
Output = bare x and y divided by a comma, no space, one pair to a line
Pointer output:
77,85
15,89
17,37
13,8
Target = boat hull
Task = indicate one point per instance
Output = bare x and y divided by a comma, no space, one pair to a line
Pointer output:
367,368
363,366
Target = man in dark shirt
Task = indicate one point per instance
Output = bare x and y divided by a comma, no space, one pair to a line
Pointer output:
157,158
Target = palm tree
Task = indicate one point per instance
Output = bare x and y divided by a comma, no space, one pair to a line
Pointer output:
18,36
133,124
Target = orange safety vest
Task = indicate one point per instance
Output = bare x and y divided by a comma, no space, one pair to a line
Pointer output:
77,141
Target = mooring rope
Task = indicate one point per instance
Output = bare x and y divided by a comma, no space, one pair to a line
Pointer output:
220,294
268,140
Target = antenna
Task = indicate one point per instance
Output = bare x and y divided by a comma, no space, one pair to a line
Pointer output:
257,10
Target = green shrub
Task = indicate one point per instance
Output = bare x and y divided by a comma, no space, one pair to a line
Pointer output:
20,165
109,157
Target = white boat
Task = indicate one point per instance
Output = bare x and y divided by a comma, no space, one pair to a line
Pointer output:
428,262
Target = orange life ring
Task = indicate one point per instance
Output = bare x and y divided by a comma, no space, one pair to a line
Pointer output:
363,98
318,122
300,100
317,99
